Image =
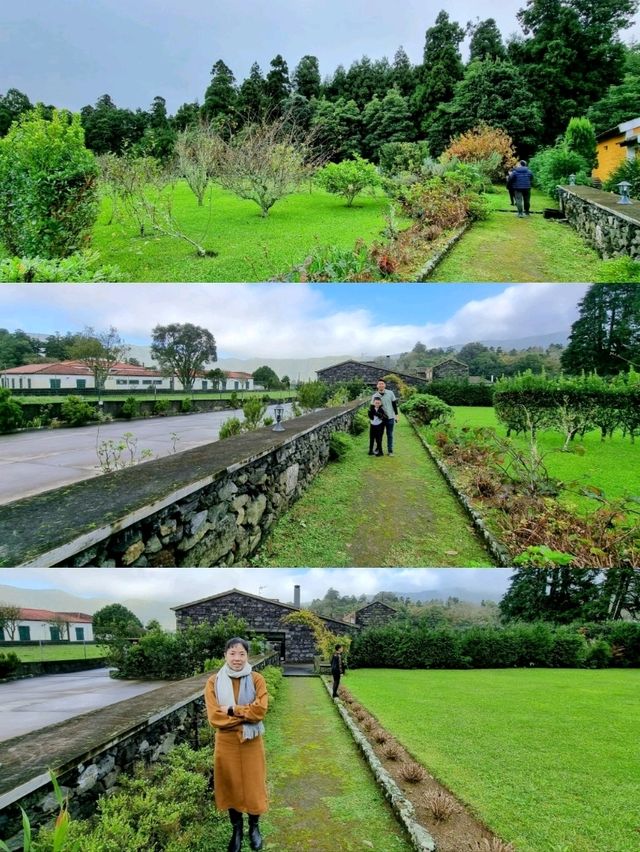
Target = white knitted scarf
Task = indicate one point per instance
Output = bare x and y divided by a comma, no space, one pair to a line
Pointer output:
246,695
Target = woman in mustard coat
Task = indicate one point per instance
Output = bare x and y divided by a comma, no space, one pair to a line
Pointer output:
236,699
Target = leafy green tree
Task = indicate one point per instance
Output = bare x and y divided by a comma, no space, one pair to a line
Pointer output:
109,129
553,166
12,105
441,68
99,351
620,101
266,377
182,349
285,382
306,77
116,621
11,414
606,336
403,75
218,377
220,98
277,85
387,120
57,347
365,79
493,92
10,615
312,394
348,178
187,115
252,95
338,127
336,85
486,41
580,136
571,54
159,137
17,348
48,186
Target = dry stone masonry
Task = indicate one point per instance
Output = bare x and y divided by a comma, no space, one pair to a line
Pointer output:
612,229
212,505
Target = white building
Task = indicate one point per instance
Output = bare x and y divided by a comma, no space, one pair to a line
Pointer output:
44,624
76,376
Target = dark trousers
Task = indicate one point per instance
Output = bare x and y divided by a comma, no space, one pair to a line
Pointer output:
375,436
336,684
523,200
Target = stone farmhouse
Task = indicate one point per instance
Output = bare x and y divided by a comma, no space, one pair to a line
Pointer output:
373,614
449,368
76,376
35,625
264,616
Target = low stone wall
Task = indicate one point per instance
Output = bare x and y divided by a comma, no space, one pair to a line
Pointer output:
612,229
51,667
89,752
211,505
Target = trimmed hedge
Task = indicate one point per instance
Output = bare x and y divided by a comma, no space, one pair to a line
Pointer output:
571,405
398,645
460,393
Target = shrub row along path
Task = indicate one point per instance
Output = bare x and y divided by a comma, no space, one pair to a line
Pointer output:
504,248
364,511
323,796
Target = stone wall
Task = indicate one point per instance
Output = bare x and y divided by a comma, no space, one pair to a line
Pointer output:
375,614
612,229
88,764
264,616
452,370
211,505
369,373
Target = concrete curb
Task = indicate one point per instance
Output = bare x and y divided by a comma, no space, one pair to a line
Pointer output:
497,550
428,268
420,838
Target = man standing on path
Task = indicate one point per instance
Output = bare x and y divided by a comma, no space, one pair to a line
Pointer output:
390,408
337,668
520,180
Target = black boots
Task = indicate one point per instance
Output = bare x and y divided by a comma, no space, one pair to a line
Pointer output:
255,838
235,844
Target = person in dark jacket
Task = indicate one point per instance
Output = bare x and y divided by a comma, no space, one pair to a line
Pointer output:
378,419
511,190
520,180
337,668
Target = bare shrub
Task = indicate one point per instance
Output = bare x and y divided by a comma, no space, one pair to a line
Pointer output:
380,736
492,845
360,715
197,151
266,161
392,751
413,772
368,724
441,805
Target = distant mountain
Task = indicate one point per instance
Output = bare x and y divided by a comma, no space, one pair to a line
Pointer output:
60,601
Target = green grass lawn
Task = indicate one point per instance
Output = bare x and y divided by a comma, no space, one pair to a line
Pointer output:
548,759
611,465
73,651
250,247
365,511
504,248
323,796
148,396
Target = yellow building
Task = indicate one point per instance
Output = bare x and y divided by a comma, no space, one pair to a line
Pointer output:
615,146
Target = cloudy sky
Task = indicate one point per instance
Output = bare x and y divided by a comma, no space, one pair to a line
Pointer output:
299,321
181,585
69,52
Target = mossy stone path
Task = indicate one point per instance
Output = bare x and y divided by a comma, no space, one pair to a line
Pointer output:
504,248
394,511
322,795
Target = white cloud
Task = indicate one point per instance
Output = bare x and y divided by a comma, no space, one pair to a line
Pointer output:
292,321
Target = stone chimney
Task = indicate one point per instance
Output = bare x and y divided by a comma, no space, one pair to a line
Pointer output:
296,596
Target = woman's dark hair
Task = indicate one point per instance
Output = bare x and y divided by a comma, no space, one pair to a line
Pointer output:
237,640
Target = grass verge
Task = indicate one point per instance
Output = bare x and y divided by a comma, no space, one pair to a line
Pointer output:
525,749
389,511
504,248
75,651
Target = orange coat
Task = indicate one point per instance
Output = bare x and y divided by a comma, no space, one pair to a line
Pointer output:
239,768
